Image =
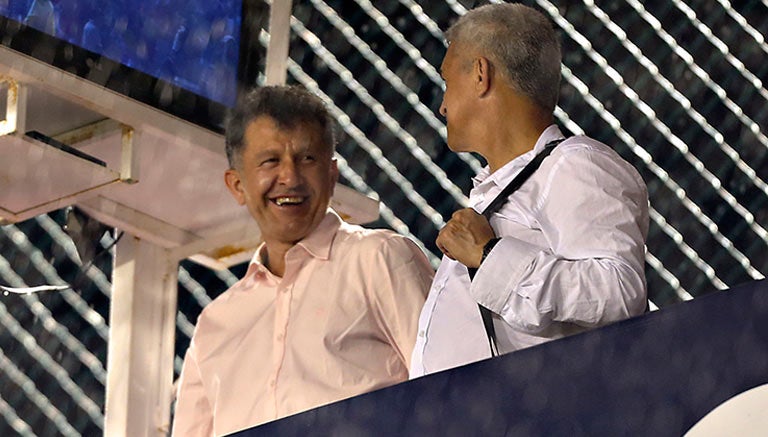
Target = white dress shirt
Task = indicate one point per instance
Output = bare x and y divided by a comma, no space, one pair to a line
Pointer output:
571,257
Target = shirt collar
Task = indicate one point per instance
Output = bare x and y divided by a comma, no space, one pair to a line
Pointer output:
502,176
318,243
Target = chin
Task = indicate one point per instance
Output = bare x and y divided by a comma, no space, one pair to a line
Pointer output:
295,233
456,148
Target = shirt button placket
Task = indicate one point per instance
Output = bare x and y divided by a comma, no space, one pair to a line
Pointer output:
282,314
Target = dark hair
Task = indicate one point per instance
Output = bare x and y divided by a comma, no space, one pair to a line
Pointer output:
287,105
521,41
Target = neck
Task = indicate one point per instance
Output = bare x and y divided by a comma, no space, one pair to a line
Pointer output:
274,258
513,127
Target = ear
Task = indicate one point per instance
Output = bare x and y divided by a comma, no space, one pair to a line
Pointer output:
481,75
334,174
235,185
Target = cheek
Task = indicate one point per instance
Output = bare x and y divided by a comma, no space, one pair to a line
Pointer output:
256,188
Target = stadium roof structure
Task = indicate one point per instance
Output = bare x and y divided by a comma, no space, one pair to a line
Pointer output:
67,141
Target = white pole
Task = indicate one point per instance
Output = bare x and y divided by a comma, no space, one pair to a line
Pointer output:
279,39
141,340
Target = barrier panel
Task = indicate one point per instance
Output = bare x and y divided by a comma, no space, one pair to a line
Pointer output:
657,374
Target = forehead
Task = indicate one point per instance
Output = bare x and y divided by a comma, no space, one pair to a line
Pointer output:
264,132
446,60
451,56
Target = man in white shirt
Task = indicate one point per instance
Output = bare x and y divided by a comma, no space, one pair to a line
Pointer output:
565,252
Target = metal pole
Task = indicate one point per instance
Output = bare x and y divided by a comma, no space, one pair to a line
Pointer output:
279,38
141,340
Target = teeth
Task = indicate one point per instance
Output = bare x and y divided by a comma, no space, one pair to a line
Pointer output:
287,200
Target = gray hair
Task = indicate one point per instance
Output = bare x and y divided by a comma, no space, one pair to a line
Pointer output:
287,105
522,43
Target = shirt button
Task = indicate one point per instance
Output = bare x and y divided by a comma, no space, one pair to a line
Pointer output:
280,337
272,383
421,333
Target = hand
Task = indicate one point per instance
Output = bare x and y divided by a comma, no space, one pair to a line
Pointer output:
464,236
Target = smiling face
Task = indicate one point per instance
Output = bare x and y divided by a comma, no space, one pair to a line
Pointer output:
286,179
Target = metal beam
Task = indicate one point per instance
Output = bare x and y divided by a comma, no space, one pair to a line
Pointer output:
279,39
141,340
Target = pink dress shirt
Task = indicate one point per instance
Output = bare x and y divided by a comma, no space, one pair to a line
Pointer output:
340,322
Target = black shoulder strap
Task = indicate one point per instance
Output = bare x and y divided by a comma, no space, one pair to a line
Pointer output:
493,207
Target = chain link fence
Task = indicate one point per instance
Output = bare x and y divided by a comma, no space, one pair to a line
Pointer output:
677,88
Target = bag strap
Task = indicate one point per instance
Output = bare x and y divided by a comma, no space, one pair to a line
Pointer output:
493,207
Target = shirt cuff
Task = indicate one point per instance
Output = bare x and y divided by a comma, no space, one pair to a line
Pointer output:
500,273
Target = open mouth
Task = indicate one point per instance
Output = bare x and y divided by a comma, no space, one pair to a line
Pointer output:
288,200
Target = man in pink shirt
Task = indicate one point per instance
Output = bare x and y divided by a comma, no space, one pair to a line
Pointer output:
326,310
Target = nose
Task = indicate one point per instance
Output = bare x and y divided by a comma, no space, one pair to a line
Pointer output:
443,109
288,173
